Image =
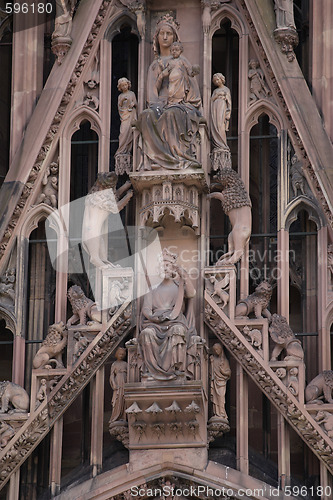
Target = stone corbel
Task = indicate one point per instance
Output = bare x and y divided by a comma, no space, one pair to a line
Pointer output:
287,39
61,36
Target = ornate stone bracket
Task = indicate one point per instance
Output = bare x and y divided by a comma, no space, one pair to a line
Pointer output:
63,394
266,379
287,39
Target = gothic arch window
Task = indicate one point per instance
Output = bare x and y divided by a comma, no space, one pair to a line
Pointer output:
6,351
124,63
263,189
41,293
303,271
6,39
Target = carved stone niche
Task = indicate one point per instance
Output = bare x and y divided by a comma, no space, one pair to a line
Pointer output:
220,284
173,193
167,416
43,382
292,374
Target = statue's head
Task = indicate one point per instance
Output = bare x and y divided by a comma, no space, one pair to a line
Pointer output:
218,79
123,84
168,264
165,34
120,354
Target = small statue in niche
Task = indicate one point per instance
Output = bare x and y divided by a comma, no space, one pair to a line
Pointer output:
256,303
61,36
50,354
325,418
284,338
101,200
127,111
297,177
284,13
49,194
258,86
7,289
82,307
220,374
167,339
319,390
236,204
118,379
13,395
42,393
220,116
178,70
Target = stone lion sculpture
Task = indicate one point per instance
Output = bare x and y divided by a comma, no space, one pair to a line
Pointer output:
50,354
256,303
319,390
284,338
236,204
82,307
13,395
102,200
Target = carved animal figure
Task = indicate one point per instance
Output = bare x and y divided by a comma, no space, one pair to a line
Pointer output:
237,206
6,433
12,395
219,286
284,338
102,200
82,307
257,302
49,355
254,334
319,390
325,418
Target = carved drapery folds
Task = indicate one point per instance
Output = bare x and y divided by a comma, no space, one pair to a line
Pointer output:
61,36
220,116
285,33
127,111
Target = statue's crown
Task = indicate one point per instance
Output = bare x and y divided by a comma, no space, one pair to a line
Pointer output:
168,256
168,19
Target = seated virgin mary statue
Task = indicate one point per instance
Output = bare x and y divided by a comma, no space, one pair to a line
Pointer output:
169,126
167,339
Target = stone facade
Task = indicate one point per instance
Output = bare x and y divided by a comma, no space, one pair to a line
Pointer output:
166,251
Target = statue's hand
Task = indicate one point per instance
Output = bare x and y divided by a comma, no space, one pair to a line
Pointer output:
195,69
164,317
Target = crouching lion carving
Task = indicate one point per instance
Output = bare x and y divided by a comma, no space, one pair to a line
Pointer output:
285,339
50,354
257,302
12,395
82,307
319,390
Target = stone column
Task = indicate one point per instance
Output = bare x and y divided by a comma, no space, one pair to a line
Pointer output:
27,74
322,55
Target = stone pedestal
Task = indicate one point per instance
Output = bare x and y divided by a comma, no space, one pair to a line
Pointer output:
168,415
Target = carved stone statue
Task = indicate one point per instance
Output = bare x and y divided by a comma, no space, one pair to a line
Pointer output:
284,13
6,433
49,194
82,307
219,289
258,86
220,374
325,418
13,396
297,177
127,111
50,354
237,205
169,131
167,336
118,378
284,338
7,289
102,200
220,113
319,390
61,36
257,302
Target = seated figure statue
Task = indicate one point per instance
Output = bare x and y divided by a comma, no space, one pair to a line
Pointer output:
170,124
167,339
